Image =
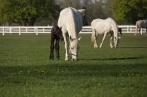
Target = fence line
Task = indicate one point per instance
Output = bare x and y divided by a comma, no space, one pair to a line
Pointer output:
47,29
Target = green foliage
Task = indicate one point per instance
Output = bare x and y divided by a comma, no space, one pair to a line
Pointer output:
26,71
97,9
6,10
27,11
130,10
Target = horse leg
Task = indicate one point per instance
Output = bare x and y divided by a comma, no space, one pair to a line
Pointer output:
95,39
95,43
57,49
52,49
141,31
115,42
111,41
66,46
135,32
103,39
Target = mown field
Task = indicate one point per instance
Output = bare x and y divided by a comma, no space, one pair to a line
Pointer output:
26,71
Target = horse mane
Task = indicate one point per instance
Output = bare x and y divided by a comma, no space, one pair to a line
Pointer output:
137,25
72,20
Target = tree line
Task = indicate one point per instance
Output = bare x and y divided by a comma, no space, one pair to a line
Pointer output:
46,12
27,12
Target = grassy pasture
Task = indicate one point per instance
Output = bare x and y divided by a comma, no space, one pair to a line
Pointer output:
26,71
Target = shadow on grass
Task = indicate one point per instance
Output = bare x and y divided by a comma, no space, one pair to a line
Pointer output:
135,47
74,70
128,58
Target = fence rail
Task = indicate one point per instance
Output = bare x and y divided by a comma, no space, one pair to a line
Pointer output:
47,29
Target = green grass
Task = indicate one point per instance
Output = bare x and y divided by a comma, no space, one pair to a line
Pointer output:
26,71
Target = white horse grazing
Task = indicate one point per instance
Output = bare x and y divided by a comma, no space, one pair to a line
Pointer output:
104,27
141,24
70,22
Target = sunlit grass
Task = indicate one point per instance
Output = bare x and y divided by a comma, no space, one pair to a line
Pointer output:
25,68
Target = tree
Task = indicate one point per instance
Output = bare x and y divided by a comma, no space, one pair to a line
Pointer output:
97,9
6,10
129,10
26,12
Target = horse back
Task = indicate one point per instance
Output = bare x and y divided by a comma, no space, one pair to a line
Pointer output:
141,23
100,25
106,25
70,20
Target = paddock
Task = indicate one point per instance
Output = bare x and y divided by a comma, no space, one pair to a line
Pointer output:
26,70
47,29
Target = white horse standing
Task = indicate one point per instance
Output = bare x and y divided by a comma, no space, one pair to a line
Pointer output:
70,21
104,27
141,24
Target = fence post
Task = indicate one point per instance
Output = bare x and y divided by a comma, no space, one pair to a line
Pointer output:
26,30
36,30
43,29
130,29
3,30
19,30
127,28
10,30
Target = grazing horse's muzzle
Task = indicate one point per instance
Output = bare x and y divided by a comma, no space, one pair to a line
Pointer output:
74,56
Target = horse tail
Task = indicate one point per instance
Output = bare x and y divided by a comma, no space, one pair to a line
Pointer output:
136,27
93,35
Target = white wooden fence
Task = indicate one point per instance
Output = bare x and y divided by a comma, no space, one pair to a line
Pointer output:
47,29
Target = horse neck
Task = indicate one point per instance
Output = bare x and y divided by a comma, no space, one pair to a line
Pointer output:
73,35
115,29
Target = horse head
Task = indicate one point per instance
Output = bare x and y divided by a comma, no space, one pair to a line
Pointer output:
116,41
74,47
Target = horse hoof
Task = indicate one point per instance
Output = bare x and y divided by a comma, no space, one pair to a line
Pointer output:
66,59
95,46
115,47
